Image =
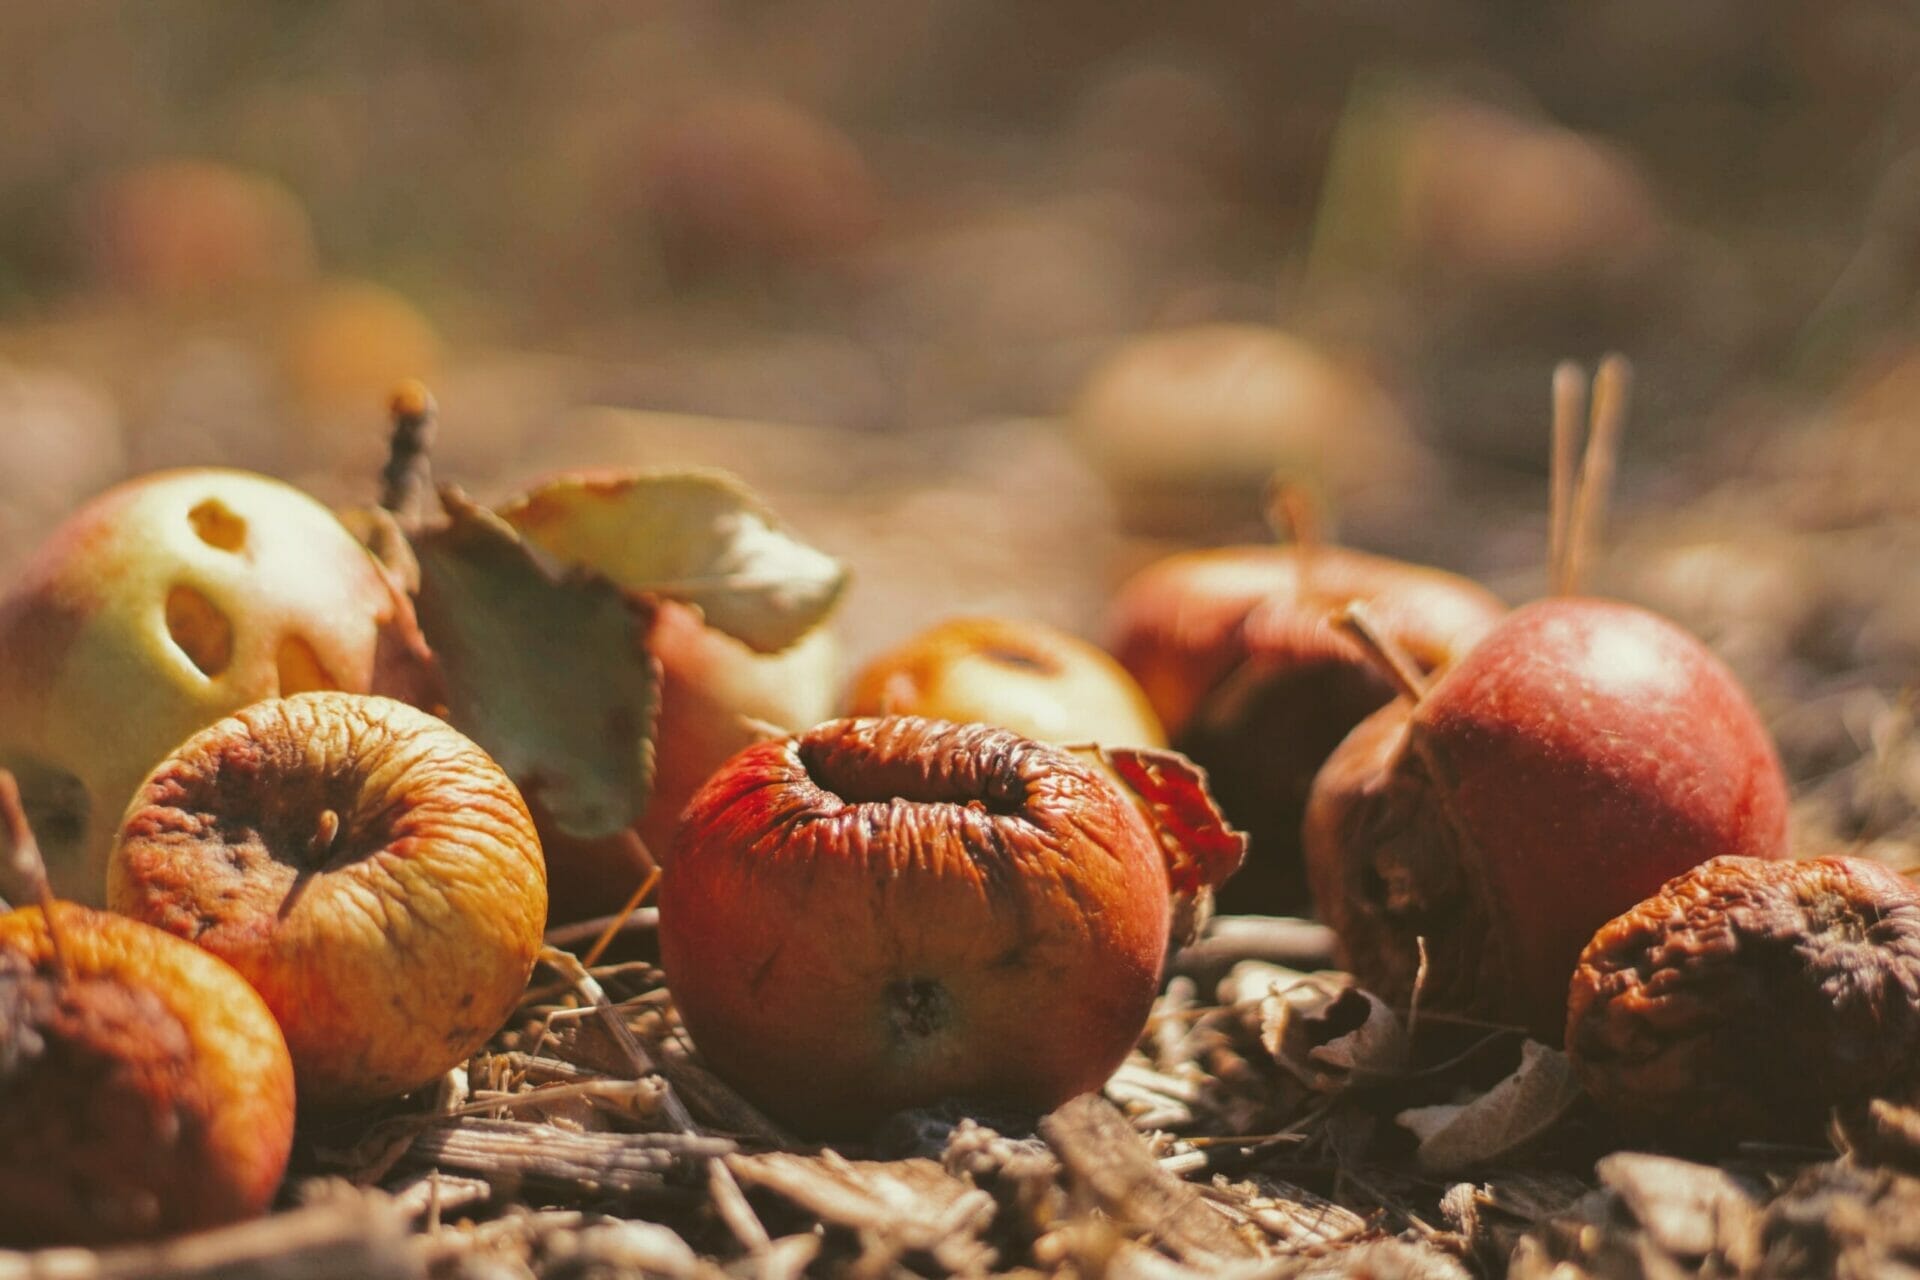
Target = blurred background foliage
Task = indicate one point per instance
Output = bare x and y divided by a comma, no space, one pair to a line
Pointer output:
995,298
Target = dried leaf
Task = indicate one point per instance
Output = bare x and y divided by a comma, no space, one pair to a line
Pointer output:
1332,1036
1501,1121
1200,848
550,674
697,537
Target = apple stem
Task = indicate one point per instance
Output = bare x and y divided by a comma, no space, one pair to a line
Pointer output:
1294,516
27,865
408,475
1610,389
1569,404
1392,661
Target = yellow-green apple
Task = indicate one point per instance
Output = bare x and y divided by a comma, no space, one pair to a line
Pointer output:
371,871
144,1087
881,913
1578,757
1239,654
160,606
1025,676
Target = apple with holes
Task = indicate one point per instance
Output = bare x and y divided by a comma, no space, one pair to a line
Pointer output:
160,606
882,913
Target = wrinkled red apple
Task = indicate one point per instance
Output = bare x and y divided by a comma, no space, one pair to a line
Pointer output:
144,1087
160,606
882,913
1021,675
1580,756
371,871
1238,652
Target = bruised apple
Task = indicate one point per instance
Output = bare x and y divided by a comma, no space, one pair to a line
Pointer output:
365,866
144,1088
157,608
1021,675
882,913
1239,653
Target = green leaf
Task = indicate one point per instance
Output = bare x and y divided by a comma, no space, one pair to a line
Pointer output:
695,536
549,672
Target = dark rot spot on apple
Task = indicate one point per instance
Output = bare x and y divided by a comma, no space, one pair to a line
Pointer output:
917,1009
105,1126
218,527
203,632
1748,998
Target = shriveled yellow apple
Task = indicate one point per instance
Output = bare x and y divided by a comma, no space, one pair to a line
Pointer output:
144,1088
157,608
1025,676
368,868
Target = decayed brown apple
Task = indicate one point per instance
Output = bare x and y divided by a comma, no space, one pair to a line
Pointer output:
365,866
144,1087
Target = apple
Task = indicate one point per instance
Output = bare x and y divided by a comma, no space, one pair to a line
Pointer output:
882,913
1189,424
144,1087
1238,652
717,696
184,229
350,342
1581,755
370,870
160,606
1025,676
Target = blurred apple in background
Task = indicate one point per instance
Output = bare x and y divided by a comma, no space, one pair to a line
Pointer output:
350,342
1025,676
160,606
1192,424
186,229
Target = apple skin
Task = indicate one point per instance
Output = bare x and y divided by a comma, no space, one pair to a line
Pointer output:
147,1088
1025,676
882,913
369,869
160,606
712,690
1582,755
1241,660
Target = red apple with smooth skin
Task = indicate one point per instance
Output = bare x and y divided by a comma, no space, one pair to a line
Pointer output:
882,913
1239,655
1579,757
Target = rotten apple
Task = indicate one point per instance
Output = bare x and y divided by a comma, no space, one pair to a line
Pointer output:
160,606
365,866
1580,756
1239,655
1021,675
144,1088
882,913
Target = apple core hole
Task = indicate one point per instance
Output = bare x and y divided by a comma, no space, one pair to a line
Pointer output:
300,669
200,629
1020,659
217,526
918,1008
